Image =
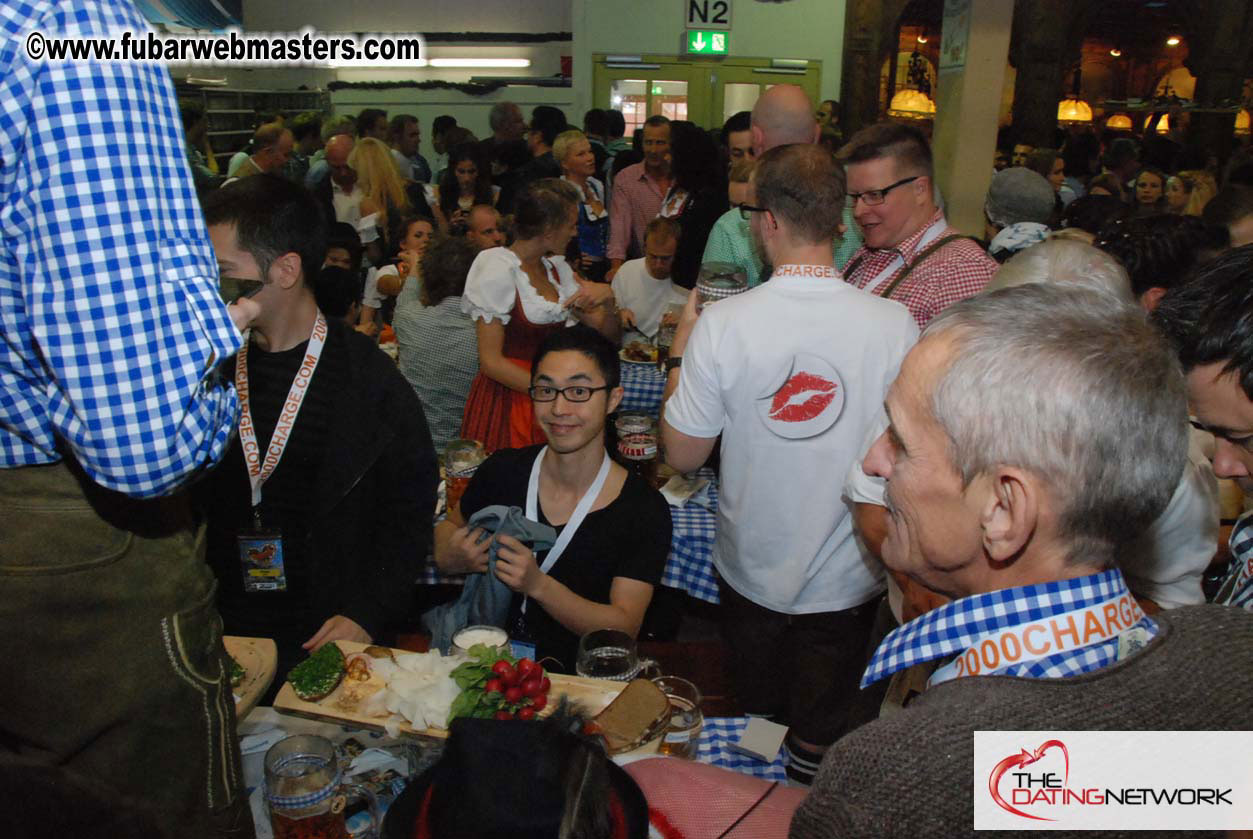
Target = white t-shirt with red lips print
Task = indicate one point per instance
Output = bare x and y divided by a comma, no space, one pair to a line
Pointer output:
792,374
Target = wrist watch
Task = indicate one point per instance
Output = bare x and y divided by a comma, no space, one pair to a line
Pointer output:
673,363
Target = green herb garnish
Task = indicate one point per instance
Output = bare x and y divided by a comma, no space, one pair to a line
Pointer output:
237,672
319,674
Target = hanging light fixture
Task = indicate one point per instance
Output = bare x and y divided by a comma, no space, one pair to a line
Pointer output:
1242,123
1163,125
1073,110
911,104
1115,52
1119,122
1173,41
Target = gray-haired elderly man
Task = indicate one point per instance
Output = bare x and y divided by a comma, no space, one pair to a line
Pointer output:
1034,433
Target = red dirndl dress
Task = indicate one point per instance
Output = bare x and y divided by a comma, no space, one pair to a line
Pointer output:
496,416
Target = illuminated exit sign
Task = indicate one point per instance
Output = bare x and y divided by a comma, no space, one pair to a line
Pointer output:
706,42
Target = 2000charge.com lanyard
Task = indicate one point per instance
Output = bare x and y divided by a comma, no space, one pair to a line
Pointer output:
1039,639
576,518
261,468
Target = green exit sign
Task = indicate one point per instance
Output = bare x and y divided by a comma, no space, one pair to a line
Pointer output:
705,42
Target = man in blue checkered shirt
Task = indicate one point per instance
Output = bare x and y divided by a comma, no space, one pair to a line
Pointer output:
1034,433
110,327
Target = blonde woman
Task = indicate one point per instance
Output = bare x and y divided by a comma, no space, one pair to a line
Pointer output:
573,152
1189,191
383,191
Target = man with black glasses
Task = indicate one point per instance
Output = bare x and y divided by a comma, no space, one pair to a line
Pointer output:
910,254
613,529
791,375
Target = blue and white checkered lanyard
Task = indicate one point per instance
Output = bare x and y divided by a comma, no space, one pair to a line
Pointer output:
576,518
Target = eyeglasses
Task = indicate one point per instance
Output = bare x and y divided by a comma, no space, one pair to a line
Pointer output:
574,393
876,196
1243,443
747,210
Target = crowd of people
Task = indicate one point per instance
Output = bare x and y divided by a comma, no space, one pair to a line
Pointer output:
924,439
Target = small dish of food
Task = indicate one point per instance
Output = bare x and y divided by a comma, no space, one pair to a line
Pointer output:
638,352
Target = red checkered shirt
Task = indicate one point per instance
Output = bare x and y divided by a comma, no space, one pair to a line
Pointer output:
956,271
636,201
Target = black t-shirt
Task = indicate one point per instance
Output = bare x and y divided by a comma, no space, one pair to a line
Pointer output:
628,538
287,497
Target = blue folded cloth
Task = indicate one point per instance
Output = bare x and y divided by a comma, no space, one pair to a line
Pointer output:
485,599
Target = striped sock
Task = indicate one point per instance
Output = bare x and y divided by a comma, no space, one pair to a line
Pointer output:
802,763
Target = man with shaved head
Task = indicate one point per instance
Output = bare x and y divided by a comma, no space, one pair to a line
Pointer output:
782,116
483,227
339,194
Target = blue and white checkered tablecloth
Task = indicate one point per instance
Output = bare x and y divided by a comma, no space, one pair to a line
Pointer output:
719,733
689,567
643,385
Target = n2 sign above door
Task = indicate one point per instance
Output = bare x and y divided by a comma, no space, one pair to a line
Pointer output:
707,14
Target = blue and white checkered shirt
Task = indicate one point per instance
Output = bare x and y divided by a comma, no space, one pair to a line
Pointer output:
954,627
110,322
1237,588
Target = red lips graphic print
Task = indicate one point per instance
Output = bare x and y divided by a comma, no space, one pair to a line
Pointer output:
803,397
807,403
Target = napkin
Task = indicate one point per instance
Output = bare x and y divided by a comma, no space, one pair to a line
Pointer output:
681,489
367,228
380,759
254,743
761,740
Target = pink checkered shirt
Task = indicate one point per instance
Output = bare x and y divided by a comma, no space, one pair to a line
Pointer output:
956,271
636,201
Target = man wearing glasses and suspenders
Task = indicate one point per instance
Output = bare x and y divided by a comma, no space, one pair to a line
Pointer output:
910,255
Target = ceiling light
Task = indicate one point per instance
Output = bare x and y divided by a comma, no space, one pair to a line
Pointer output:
911,104
1073,110
1172,41
1115,52
922,39
1119,122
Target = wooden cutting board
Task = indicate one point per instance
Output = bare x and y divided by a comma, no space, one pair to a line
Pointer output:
592,694
259,658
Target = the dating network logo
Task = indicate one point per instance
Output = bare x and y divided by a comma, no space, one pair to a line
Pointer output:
1100,780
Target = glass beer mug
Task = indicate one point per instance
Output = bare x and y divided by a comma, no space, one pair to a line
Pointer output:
305,792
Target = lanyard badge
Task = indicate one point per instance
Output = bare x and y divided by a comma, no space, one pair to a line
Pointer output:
261,548
523,646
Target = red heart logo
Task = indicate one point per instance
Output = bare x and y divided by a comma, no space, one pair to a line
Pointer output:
1024,758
